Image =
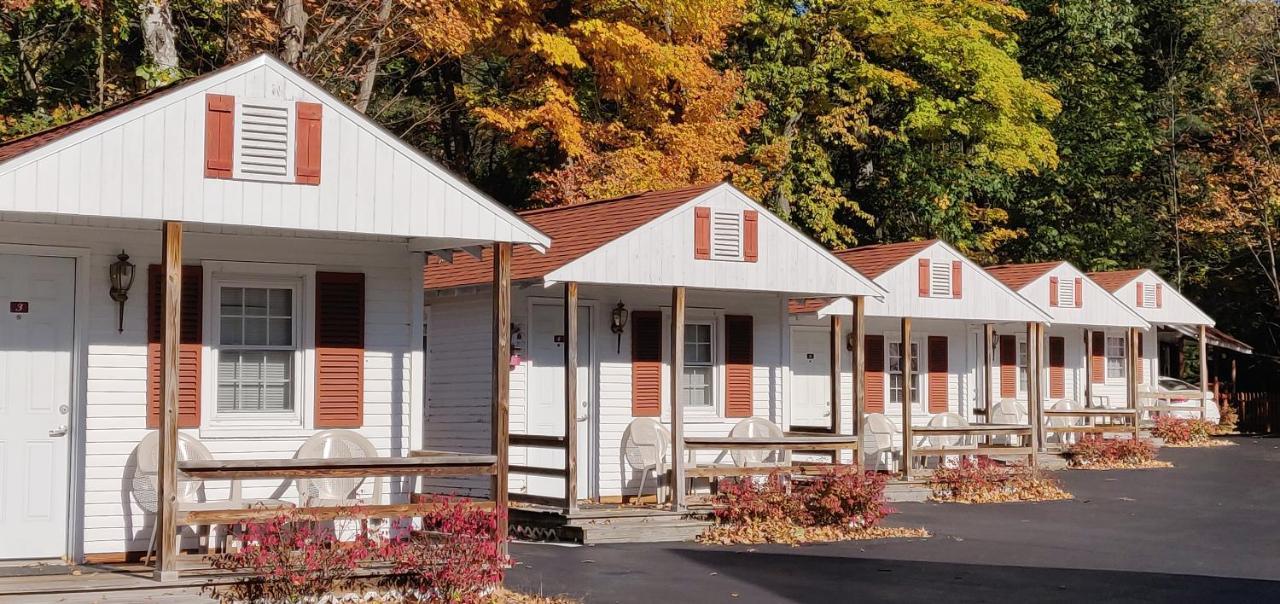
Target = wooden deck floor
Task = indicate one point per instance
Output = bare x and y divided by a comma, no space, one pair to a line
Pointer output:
130,582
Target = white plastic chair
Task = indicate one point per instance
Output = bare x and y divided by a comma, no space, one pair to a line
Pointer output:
1064,438
336,444
1008,411
757,427
957,442
878,441
645,445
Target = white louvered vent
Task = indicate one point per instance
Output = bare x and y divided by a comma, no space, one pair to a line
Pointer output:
726,235
264,142
940,279
1148,295
1067,293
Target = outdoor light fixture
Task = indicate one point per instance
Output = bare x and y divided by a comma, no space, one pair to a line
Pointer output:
121,281
618,322
849,342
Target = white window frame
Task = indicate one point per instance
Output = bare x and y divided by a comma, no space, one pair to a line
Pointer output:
940,279
712,410
295,423
1022,361
917,405
291,140
1122,369
714,413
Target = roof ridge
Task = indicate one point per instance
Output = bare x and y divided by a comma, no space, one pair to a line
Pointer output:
596,202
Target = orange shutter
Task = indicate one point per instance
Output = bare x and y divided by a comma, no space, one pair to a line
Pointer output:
873,373
923,275
956,279
1053,291
702,233
646,363
190,332
1008,366
1159,295
1142,362
219,134
1079,292
1097,357
750,235
306,153
938,387
739,365
1057,367
339,350
1140,292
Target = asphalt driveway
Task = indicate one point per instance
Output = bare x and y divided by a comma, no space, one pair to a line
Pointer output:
1206,530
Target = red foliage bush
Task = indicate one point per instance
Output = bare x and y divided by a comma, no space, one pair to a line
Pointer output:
982,480
1182,431
841,497
1093,449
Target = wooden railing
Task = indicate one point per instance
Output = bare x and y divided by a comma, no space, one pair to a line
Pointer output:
1259,412
539,441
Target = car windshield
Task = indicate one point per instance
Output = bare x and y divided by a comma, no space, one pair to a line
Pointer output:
1168,383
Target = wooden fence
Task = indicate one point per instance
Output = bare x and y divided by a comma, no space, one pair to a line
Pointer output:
1259,412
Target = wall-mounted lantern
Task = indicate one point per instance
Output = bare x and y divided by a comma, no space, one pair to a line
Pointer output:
121,280
618,322
849,342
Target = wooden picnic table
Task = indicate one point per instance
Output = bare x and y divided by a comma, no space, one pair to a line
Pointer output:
973,430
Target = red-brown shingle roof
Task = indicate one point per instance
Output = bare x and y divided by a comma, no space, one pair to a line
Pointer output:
800,306
874,260
1017,276
575,231
1112,281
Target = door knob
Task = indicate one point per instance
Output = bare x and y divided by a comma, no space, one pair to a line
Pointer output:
59,431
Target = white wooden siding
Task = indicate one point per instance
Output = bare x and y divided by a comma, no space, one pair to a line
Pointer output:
1175,308
1099,307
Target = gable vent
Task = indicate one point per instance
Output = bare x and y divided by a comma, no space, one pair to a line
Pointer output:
940,279
264,140
1148,299
726,235
1066,292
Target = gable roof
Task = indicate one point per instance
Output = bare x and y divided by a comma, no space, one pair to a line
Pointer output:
1112,281
1017,276
874,260
577,230
144,159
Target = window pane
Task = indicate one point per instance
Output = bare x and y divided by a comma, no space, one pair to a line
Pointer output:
281,303
232,299
697,344
281,332
255,381
230,331
255,302
255,331
698,387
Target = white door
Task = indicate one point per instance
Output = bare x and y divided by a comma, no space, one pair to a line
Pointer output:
36,327
810,377
546,397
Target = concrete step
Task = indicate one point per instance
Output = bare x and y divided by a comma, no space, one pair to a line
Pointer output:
650,531
911,492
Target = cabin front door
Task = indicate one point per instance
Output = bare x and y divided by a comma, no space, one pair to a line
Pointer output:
36,340
546,397
810,377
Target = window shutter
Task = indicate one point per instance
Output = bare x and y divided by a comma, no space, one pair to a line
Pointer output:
1053,291
339,350
938,371
923,275
702,233
739,365
750,235
1008,366
873,373
308,142
956,279
1140,292
1159,295
189,345
1142,362
219,134
1057,367
1097,357
1079,292
646,363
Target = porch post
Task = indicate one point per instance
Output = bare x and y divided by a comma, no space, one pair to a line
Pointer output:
1131,375
836,347
988,393
1204,367
859,364
571,396
1088,369
501,378
167,522
677,408
1034,395
907,380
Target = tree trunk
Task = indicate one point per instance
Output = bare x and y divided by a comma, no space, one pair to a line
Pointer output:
293,30
158,35
375,57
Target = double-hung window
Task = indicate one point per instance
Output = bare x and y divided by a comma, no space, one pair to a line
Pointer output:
1115,357
1023,361
257,353
699,366
895,373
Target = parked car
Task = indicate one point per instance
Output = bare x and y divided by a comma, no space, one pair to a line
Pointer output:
1176,386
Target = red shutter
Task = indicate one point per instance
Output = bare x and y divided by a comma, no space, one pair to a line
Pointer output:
938,386
190,332
750,235
956,279
306,153
1053,291
1140,292
1079,292
923,275
1142,362
1008,366
739,340
873,373
339,350
219,134
702,233
1159,295
1057,367
646,363
1097,357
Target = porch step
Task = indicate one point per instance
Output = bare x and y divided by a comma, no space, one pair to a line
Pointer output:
1051,461
914,491
607,524
652,530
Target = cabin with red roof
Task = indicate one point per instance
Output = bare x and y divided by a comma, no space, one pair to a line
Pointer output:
735,266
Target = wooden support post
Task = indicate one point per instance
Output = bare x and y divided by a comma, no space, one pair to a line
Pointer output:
988,390
859,368
167,493
1131,374
1035,396
907,380
1088,369
677,406
571,396
501,380
837,346
1203,338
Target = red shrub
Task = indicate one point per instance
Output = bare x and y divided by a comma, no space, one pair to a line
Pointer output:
1093,449
840,497
1182,431
982,480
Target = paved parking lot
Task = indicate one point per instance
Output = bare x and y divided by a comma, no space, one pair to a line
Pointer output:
1206,530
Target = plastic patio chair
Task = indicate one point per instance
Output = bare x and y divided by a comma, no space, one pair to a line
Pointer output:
645,447
957,442
757,427
1064,438
336,444
878,442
